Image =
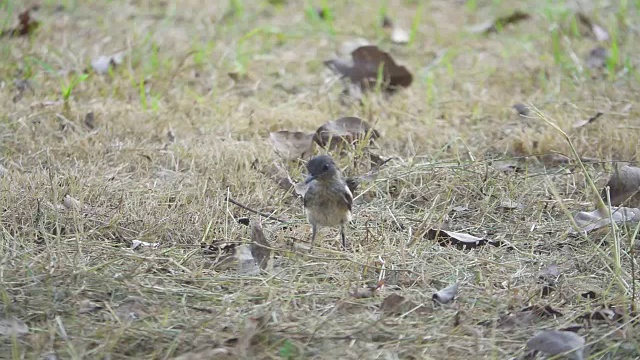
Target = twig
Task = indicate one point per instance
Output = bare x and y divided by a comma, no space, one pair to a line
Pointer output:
265,215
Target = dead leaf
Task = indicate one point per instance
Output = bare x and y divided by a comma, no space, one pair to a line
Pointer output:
460,240
71,203
260,246
345,131
598,32
103,64
554,342
624,187
89,120
581,123
364,68
275,173
446,295
26,25
247,265
500,23
292,145
11,325
589,221
597,58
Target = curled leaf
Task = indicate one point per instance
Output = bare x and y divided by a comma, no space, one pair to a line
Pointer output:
624,187
369,64
260,246
589,221
11,325
554,342
344,131
581,123
446,295
292,145
246,263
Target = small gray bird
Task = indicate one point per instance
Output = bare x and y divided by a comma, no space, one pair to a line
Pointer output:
328,199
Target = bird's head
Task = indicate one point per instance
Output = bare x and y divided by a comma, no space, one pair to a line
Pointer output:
322,168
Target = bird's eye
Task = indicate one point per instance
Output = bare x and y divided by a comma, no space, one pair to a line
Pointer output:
325,167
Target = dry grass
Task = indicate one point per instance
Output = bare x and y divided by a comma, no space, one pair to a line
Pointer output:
134,183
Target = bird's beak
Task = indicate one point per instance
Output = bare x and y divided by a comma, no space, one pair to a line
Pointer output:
309,179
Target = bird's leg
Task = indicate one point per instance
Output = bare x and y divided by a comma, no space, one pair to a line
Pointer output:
314,232
344,238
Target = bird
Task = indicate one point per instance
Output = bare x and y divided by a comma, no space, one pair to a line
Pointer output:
327,200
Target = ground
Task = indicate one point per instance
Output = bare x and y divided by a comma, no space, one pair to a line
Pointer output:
153,149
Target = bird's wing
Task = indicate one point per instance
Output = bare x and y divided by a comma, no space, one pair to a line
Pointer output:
348,197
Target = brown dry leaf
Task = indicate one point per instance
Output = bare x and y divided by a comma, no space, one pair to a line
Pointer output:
11,325
554,342
247,265
275,173
345,131
103,64
365,66
26,24
460,240
624,187
598,32
589,221
581,123
446,295
260,246
597,58
292,145
89,120
500,23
